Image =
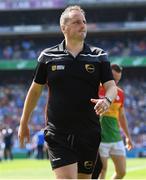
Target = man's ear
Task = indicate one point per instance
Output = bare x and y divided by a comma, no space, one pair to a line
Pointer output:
63,28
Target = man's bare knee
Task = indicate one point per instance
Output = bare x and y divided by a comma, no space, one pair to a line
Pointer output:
120,174
64,176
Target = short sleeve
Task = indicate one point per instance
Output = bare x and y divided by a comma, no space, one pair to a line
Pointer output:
106,72
40,74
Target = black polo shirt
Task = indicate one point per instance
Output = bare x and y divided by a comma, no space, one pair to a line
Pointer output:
72,82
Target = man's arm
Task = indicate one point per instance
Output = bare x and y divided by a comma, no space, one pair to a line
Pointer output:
102,105
124,126
110,90
29,105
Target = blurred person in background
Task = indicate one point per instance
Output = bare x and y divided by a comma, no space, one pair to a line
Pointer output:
1,146
40,144
111,142
72,71
8,143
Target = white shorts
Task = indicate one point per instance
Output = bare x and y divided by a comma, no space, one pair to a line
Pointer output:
115,148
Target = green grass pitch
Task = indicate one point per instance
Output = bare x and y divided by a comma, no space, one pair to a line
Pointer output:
41,169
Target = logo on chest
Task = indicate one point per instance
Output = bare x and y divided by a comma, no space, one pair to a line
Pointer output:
90,68
57,67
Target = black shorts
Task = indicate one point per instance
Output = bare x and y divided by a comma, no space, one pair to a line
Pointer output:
65,149
98,167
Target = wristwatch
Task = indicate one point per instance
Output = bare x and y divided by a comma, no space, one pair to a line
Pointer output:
108,99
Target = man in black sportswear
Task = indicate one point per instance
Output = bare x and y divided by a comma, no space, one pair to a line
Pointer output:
72,71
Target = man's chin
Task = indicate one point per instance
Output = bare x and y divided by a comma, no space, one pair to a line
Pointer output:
82,37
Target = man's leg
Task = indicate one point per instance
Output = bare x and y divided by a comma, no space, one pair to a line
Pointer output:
61,154
66,172
104,150
104,167
5,154
97,168
118,155
84,176
120,166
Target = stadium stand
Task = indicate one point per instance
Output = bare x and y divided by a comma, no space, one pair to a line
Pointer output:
28,26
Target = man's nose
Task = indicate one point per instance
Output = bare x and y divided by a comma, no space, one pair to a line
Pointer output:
83,24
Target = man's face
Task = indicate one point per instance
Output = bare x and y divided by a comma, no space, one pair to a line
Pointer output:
117,76
75,28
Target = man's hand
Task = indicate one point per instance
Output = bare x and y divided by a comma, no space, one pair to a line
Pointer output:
23,135
101,105
129,144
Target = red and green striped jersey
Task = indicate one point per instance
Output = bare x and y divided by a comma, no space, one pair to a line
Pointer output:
109,120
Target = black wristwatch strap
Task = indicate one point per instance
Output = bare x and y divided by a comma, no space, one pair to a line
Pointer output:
108,99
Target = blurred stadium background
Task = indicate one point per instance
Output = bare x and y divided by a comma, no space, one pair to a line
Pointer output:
29,26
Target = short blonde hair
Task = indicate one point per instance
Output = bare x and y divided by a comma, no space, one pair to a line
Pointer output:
65,15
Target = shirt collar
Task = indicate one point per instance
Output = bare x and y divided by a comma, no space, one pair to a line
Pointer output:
86,48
